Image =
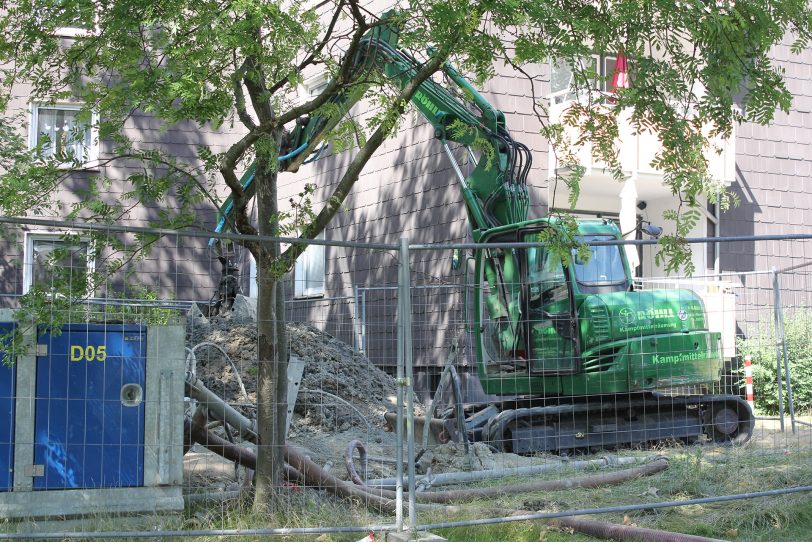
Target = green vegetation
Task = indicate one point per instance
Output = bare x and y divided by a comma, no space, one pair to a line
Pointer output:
694,472
762,347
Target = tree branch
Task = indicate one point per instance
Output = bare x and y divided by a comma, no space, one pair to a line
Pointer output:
360,160
338,84
239,96
319,48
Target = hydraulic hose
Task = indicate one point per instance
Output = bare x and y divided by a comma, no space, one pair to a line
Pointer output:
350,463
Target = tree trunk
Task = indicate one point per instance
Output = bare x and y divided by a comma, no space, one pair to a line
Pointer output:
272,351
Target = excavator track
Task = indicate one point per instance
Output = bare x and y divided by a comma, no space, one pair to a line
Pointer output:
613,421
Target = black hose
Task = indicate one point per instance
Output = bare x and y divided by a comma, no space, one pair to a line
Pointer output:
350,462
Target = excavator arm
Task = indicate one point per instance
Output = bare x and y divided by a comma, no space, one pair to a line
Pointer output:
495,190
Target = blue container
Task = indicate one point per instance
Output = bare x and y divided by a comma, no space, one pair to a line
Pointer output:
7,386
89,407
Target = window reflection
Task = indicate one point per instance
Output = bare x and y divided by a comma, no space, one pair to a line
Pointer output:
605,265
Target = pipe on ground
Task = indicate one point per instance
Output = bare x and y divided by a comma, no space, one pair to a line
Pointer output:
220,409
446,478
305,471
300,468
313,473
233,452
594,480
612,531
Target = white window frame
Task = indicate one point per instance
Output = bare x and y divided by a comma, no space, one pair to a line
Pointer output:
312,86
74,32
28,254
570,94
304,286
92,151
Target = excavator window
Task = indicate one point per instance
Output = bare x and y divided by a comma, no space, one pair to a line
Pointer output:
605,270
545,277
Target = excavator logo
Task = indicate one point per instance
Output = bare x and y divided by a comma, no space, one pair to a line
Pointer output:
426,102
626,316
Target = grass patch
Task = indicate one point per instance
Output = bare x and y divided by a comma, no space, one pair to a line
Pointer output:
513,532
694,472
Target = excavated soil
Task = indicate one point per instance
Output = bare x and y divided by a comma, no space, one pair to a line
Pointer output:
343,397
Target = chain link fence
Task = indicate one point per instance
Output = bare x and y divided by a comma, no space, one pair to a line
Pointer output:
130,397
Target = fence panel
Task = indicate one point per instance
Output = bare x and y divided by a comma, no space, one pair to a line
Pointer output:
575,374
95,401
642,377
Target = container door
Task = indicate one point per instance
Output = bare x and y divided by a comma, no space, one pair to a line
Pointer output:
89,410
7,387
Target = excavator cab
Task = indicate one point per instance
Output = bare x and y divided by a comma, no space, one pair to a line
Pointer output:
604,271
544,293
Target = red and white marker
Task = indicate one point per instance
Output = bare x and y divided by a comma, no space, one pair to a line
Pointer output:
748,382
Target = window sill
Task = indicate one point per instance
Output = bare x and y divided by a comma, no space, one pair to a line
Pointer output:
309,296
80,169
593,96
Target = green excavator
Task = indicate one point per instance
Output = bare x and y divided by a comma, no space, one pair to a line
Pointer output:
577,357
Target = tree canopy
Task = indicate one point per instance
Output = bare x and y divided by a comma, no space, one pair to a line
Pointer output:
237,66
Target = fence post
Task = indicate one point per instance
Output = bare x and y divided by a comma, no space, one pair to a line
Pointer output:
782,344
364,322
778,376
405,380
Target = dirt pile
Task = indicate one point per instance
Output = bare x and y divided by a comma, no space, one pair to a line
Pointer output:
343,396
226,353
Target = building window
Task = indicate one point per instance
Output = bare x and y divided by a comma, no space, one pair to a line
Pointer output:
63,133
308,274
598,69
55,261
313,86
